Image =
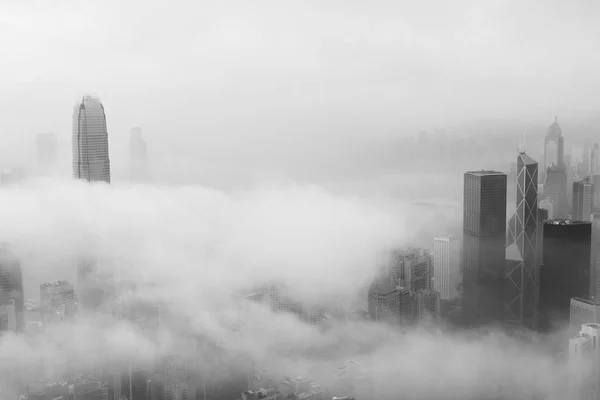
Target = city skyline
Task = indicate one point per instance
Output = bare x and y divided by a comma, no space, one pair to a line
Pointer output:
299,201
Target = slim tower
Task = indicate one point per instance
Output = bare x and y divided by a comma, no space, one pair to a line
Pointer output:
522,275
583,198
90,141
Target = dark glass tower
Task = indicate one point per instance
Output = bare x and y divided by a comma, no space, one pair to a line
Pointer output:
484,239
566,270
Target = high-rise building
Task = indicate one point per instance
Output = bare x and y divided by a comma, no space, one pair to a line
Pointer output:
484,240
413,269
584,363
583,197
582,311
548,205
593,159
520,293
138,154
11,291
566,270
90,141
446,262
57,299
388,303
427,305
554,147
595,271
543,215
555,189
47,150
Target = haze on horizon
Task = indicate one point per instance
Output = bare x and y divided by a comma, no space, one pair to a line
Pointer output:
268,85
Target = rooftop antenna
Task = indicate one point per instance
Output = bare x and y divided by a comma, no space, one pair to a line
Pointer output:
522,142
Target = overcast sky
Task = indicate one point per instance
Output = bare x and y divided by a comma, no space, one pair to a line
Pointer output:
200,67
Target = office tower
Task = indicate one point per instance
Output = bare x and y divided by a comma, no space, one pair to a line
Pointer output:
584,363
582,200
427,305
90,141
47,150
566,270
57,300
596,193
138,154
548,205
593,160
521,279
484,239
446,262
543,215
582,311
595,272
12,175
388,303
11,292
554,148
556,190
95,286
412,269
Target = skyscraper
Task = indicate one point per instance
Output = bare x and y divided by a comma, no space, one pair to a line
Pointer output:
138,153
555,189
593,159
520,293
566,270
484,240
582,311
11,291
554,147
446,261
583,197
57,299
90,141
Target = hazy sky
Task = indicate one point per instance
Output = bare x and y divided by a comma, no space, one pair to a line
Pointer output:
270,74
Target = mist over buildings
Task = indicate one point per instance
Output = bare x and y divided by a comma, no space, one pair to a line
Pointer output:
264,144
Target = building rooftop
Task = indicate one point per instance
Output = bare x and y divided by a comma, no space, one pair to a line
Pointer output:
565,222
484,172
526,159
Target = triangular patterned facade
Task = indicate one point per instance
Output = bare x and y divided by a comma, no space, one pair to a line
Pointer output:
522,272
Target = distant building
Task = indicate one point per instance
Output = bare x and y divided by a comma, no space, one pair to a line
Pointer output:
413,269
427,306
11,291
554,147
446,265
556,190
583,311
90,141
301,388
566,270
583,198
57,299
391,304
12,175
262,394
583,363
484,240
548,205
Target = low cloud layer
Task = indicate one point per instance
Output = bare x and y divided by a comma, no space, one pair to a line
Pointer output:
191,248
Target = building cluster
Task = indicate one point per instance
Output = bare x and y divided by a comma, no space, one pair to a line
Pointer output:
404,291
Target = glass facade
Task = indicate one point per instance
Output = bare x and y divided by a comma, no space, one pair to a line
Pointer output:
484,239
90,141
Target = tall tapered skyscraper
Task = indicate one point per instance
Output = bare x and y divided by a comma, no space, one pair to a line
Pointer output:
521,289
90,141
484,240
